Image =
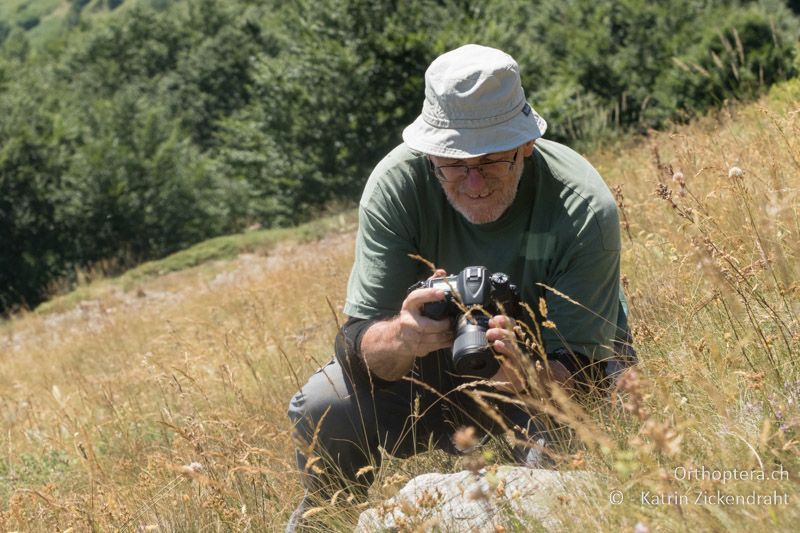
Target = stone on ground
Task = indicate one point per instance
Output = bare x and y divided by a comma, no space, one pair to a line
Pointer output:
514,497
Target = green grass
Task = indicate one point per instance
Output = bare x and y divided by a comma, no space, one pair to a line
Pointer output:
33,470
230,246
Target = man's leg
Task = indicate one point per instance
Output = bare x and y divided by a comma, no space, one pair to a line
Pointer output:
344,424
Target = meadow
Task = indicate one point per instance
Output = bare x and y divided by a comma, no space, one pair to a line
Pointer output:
158,404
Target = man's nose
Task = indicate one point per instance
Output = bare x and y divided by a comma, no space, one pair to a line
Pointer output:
474,179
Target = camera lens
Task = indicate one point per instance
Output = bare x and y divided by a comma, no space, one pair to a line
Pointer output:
472,355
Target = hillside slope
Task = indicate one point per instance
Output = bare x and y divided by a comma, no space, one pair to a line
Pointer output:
161,405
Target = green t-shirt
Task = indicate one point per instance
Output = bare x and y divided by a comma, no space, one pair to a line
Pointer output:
562,231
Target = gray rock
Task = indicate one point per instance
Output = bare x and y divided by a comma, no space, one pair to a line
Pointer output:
518,498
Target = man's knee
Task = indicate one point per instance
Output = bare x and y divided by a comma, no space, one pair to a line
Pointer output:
327,407
333,423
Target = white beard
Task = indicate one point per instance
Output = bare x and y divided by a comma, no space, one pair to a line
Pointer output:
501,200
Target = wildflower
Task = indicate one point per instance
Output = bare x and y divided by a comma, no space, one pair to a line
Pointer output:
788,425
663,191
677,176
735,173
192,468
464,439
193,471
664,436
752,410
635,388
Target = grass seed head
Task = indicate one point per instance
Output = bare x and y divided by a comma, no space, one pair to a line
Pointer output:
735,173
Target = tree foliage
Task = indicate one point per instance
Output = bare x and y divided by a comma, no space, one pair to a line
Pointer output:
136,134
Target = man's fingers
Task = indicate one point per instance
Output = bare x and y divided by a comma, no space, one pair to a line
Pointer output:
503,341
438,273
501,347
502,322
500,334
419,297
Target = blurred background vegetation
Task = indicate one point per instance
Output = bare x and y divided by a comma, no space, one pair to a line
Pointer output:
133,128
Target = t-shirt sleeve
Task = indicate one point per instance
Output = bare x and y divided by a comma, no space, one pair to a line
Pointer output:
583,295
383,269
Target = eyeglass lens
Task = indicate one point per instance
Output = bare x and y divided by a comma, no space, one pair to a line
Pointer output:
496,169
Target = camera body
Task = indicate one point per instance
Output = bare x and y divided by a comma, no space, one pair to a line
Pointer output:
467,295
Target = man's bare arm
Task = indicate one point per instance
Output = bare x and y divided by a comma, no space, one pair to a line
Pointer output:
390,347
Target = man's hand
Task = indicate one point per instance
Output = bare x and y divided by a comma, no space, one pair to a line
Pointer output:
419,335
390,347
503,340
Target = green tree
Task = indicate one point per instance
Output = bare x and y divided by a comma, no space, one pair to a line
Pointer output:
347,78
16,45
135,50
596,67
5,29
213,78
31,165
140,187
744,52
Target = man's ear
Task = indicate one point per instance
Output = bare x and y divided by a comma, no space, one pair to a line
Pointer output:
527,148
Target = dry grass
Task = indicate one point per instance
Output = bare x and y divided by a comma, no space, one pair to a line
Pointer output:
163,408
103,406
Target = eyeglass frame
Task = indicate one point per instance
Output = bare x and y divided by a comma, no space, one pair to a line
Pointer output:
440,175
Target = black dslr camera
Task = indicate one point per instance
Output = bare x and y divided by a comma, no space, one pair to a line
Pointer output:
466,293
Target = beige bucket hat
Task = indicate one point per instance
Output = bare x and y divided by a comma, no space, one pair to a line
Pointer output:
474,105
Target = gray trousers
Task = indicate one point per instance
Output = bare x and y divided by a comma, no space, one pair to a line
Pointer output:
346,423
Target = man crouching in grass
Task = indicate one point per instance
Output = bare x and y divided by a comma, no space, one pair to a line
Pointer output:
473,183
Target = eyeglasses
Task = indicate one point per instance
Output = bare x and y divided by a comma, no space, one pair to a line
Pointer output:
490,170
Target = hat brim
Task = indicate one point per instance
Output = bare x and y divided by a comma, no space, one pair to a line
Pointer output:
473,142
